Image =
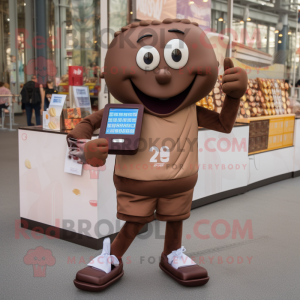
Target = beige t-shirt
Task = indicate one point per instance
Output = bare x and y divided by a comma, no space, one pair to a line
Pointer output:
168,148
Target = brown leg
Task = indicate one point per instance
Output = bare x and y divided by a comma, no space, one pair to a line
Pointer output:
173,236
124,238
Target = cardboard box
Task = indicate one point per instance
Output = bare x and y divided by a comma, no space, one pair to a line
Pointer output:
72,113
70,123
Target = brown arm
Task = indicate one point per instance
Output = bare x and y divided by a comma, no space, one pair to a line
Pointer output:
85,129
222,122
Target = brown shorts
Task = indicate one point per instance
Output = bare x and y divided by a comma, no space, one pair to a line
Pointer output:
140,209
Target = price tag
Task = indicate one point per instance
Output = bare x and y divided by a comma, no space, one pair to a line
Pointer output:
71,165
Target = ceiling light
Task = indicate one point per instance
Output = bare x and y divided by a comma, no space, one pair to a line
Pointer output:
131,12
205,0
276,31
191,2
280,35
242,22
24,4
8,19
289,33
248,19
220,19
279,42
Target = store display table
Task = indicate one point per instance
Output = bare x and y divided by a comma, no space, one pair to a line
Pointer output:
82,209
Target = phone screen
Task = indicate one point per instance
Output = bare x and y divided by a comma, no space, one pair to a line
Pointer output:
122,121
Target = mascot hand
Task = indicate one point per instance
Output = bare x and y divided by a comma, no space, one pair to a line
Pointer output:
96,152
234,82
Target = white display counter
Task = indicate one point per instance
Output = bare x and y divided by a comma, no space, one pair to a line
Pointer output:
83,208
83,211
223,164
297,148
270,164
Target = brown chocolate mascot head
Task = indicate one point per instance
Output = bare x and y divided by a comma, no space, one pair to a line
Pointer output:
166,66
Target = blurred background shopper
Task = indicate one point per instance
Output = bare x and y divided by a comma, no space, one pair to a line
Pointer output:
33,99
4,101
49,90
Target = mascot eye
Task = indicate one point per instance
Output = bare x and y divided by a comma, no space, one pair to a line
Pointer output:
147,58
176,54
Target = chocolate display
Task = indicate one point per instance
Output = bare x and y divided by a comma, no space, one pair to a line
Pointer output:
215,99
265,97
163,71
251,101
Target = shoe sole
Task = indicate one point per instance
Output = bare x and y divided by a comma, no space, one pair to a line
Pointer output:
192,282
93,287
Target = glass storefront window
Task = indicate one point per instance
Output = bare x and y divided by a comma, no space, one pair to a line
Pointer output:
4,42
82,35
252,35
117,15
20,39
238,31
51,33
272,41
262,38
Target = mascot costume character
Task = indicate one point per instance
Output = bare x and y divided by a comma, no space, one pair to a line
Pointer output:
167,67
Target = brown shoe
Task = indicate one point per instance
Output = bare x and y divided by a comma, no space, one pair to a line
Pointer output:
188,276
95,280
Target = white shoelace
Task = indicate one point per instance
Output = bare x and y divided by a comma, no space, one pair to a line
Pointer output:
104,260
177,259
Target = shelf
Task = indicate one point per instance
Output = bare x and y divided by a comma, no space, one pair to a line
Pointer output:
248,120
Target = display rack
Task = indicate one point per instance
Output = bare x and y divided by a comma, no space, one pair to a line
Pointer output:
270,132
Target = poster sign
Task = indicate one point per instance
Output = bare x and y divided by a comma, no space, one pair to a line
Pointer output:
199,11
51,117
82,97
75,75
155,9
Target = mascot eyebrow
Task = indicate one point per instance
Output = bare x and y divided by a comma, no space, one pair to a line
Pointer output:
149,35
176,30
144,36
